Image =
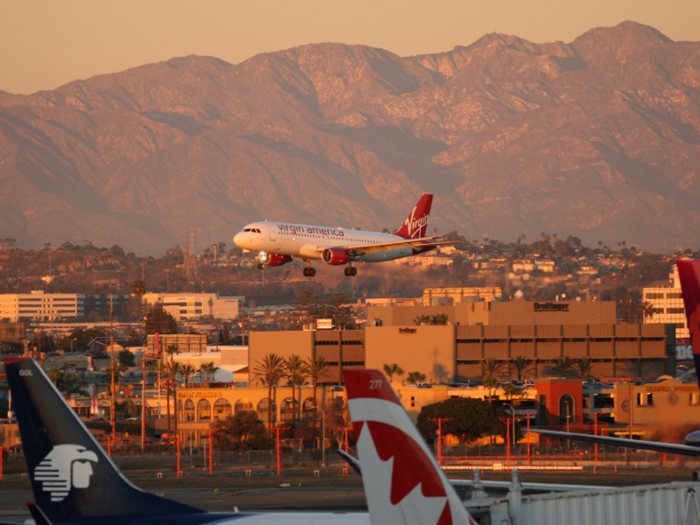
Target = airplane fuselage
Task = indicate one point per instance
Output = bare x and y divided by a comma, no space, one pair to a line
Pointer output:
308,242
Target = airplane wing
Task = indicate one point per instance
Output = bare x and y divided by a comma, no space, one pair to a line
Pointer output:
538,487
623,442
408,243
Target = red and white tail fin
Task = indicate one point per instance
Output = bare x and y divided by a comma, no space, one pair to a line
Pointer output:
689,273
403,483
416,224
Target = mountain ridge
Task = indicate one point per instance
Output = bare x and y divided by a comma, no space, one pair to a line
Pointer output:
597,138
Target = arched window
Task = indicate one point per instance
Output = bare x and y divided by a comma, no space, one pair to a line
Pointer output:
264,408
567,408
222,409
289,409
203,410
243,405
189,410
308,409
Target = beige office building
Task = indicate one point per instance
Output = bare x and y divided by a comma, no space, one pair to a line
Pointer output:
454,352
40,306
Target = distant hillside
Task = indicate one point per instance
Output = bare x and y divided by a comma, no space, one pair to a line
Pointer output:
597,138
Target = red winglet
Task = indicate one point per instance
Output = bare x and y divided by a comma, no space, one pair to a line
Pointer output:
8,360
369,383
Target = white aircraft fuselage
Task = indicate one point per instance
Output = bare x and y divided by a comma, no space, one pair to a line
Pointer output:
309,242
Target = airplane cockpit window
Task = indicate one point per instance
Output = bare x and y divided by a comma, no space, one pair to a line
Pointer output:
246,230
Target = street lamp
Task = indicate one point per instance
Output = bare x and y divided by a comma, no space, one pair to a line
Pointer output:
512,415
323,436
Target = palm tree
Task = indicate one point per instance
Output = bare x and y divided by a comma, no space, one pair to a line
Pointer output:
269,370
583,366
55,374
421,319
645,310
316,367
187,371
563,366
511,391
491,383
520,364
170,372
392,369
492,367
209,369
172,350
296,373
139,290
415,377
438,319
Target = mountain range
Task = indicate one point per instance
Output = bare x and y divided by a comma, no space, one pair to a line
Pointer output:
598,138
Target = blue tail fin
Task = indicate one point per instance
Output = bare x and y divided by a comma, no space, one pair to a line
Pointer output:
71,475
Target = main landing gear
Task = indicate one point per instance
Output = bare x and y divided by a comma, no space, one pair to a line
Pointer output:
350,271
309,271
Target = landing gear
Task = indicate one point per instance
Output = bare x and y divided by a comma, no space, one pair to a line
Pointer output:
309,271
261,266
350,271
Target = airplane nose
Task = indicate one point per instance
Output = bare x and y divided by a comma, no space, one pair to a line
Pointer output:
237,239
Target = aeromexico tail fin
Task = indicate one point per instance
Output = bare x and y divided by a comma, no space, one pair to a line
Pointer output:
415,226
403,483
71,475
689,273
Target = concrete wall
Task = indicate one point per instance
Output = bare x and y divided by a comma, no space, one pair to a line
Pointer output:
426,349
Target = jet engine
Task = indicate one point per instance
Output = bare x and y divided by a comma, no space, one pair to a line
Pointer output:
335,256
274,259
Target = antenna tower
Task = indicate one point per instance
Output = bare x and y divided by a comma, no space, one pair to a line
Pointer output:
190,259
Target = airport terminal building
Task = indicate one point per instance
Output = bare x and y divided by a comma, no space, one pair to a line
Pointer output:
477,331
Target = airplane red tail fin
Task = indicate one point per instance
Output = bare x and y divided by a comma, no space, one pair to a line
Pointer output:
689,273
416,224
403,482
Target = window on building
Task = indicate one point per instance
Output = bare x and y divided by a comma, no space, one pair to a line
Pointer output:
413,402
203,410
650,399
655,295
567,408
222,409
675,310
674,295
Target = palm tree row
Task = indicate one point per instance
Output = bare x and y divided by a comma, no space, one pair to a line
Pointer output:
563,366
273,368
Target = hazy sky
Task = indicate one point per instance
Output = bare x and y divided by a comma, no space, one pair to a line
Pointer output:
48,43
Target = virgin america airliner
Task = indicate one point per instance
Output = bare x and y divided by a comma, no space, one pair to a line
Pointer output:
279,242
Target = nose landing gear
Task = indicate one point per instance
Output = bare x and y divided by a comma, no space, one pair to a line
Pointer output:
261,266
350,271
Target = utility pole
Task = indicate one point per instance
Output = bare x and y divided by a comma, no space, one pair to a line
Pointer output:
440,421
111,344
143,383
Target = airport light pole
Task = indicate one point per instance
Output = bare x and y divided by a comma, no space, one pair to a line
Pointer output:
323,436
440,421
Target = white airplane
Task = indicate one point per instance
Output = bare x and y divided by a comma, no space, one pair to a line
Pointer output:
279,242
403,482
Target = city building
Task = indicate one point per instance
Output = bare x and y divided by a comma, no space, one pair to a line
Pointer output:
459,295
477,331
191,306
40,306
667,305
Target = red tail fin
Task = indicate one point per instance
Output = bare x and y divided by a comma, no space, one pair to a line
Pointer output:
689,272
417,223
